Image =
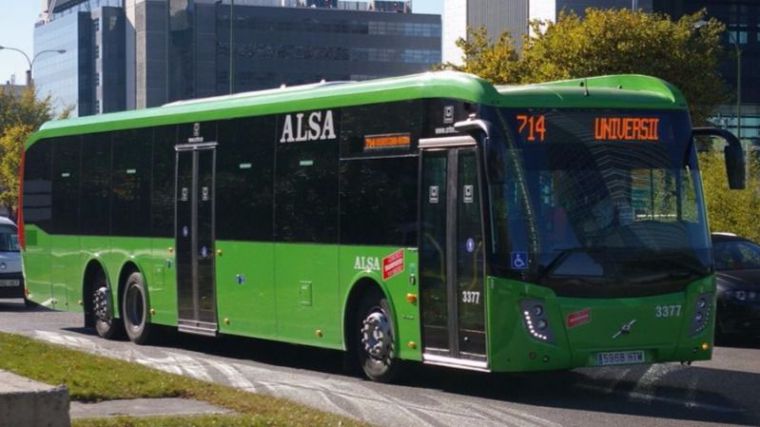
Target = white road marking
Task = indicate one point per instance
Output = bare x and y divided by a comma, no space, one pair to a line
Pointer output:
502,417
633,395
538,420
616,380
234,377
192,367
166,364
646,385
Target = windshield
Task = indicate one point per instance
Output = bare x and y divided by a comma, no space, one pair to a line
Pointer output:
8,239
737,255
597,203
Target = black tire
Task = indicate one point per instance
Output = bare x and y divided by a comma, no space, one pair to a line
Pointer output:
29,304
374,339
135,309
106,325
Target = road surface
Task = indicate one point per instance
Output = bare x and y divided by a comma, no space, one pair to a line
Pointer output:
725,390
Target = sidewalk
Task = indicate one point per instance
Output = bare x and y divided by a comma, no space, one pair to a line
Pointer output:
24,402
28,403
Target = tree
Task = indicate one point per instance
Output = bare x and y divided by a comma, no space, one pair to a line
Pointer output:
11,145
498,62
20,115
685,52
733,211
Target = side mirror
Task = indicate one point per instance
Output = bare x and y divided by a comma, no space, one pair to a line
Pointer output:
734,155
735,168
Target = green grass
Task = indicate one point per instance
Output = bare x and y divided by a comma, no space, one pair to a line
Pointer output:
92,378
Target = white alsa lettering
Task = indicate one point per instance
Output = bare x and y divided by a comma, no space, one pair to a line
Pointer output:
367,263
316,127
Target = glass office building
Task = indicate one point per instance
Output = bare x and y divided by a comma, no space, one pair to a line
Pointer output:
66,77
143,53
742,19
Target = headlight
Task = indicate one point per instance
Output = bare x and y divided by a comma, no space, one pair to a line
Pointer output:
535,320
702,311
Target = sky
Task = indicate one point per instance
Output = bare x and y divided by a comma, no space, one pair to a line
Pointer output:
17,18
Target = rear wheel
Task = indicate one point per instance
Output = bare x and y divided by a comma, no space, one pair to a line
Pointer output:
106,325
135,309
375,343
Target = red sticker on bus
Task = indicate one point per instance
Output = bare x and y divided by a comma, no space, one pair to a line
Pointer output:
579,318
393,264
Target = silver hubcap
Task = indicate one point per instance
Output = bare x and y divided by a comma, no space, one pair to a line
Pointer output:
101,306
377,338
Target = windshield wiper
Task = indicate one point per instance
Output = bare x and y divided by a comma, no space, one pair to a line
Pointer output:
563,254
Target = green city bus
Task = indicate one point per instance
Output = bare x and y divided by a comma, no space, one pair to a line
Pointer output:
433,218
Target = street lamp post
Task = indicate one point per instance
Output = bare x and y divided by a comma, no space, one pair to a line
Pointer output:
232,46
30,61
738,85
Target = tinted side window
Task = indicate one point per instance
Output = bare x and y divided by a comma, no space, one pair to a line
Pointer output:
96,183
130,202
378,201
162,182
306,192
66,185
38,185
244,179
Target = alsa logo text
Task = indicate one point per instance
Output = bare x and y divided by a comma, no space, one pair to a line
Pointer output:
315,126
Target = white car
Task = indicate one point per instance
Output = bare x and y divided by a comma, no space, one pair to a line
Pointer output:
11,276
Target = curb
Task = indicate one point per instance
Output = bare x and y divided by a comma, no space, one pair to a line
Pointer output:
24,402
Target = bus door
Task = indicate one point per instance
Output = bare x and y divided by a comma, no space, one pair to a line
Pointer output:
194,238
452,254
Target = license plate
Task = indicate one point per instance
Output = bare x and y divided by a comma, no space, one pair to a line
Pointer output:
9,283
619,358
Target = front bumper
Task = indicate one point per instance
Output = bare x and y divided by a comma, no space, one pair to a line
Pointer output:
660,328
12,285
738,317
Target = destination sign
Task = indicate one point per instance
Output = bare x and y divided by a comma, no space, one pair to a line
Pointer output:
555,127
387,141
626,129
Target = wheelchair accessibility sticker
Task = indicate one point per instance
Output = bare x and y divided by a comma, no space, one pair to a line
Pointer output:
519,260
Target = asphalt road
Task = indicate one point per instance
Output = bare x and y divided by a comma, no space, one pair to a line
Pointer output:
725,390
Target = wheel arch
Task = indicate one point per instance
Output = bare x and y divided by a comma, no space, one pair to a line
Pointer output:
92,268
361,287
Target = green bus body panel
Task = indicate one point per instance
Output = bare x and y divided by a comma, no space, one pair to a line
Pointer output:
246,307
622,91
289,291
512,349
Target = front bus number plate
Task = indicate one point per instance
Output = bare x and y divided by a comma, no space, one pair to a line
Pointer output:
9,283
619,358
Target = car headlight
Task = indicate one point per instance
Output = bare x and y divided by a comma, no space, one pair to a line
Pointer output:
743,295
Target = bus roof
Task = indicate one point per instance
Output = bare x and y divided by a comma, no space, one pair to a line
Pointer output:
617,91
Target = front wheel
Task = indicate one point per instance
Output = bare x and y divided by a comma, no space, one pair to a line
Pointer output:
375,342
135,309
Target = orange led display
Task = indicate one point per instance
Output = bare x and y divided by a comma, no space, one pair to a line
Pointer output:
626,129
385,142
532,127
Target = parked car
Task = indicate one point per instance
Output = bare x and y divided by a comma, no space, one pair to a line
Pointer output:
737,264
11,277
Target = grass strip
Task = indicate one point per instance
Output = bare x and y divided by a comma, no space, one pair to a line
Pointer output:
183,421
92,378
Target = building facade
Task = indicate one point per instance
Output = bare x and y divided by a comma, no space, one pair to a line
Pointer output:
742,20
513,16
126,54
